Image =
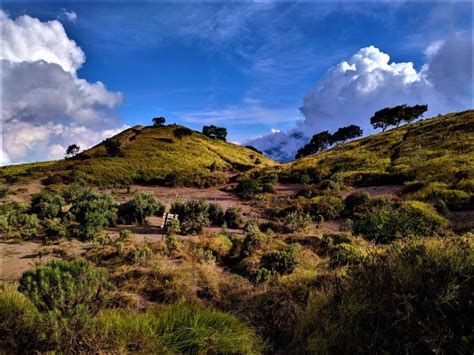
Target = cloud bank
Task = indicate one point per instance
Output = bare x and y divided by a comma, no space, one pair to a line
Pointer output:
351,91
45,105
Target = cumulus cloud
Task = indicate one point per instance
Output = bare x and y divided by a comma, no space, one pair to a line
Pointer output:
351,91
46,106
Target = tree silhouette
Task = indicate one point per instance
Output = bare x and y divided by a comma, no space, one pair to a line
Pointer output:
345,133
215,132
158,121
72,151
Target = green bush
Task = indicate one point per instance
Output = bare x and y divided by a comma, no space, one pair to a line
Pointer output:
356,201
414,298
18,320
125,235
192,214
139,208
54,228
47,204
329,207
246,189
65,287
140,255
15,221
216,214
260,275
344,254
388,223
281,261
297,221
233,217
93,212
251,243
172,227
441,207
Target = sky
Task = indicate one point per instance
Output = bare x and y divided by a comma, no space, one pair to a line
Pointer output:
273,74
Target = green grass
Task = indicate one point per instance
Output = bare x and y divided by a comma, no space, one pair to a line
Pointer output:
149,155
438,153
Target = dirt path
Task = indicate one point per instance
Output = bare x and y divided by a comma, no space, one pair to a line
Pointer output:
23,192
18,257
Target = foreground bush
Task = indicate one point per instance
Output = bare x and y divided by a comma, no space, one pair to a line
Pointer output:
281,261
329,207
174,329
415,298
139,208
65,286
163,329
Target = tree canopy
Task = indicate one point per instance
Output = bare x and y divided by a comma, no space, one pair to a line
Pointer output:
181,132
215,132
345,133
319,142
158,121
72,151
394,116
112,147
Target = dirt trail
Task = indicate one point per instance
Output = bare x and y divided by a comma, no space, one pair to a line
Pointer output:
374,191
18,257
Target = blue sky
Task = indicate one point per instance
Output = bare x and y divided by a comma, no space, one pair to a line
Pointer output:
244,66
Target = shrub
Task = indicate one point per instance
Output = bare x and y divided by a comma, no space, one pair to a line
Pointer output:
297,221
268,187
233,217
441,207
125,235
281,261
172,227
47,204
192,214
246,189
251,243
329,207
216,214
387,223
414,298
93,212
139,208
15,221
18,320
54,228
355,201
65,287
140,255
344,254
260,275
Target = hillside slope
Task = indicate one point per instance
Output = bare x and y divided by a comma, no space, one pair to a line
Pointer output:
433,158
149,155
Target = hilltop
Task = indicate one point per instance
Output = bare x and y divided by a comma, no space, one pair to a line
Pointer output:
433,158
149,155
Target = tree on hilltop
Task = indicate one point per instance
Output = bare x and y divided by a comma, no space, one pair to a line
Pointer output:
318,142
158,121
215,132
72,151
394,116
345,133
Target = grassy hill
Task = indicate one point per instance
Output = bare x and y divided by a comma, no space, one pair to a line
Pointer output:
149,155
433,158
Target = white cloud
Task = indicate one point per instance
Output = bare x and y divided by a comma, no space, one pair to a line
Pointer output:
27,39
350,92
46,106
70,16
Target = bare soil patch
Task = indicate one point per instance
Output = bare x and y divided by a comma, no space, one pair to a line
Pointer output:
17,257
23,192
